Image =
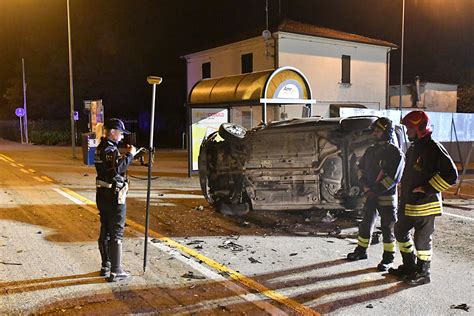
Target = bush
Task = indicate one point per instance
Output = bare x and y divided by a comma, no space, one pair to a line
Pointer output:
39,132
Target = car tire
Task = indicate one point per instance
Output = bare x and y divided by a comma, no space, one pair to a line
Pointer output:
232,131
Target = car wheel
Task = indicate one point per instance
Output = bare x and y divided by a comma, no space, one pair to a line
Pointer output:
231,131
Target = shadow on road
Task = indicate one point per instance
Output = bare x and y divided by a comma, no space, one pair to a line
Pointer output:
214,297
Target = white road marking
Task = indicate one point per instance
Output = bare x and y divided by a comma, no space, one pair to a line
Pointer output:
460,216
68,196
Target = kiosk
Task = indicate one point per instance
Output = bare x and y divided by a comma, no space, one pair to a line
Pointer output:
247,99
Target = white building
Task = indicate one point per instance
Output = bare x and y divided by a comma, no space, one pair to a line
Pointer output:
343,69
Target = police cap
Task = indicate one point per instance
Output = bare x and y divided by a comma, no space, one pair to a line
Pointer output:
115,123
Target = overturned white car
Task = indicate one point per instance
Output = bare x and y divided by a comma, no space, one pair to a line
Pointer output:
307,163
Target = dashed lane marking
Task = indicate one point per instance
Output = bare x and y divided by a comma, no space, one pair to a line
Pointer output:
32,170
274,295
47,178
38,179
24,170
7,158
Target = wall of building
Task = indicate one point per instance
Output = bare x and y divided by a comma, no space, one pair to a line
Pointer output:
226,60
320,60
434,97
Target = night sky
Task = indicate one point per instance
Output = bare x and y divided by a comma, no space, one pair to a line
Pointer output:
116,44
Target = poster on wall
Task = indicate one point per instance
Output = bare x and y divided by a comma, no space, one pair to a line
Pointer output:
204,123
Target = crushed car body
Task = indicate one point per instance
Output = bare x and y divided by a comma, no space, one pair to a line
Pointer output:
298,164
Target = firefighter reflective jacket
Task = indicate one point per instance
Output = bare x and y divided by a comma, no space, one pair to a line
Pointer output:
428,165
380,169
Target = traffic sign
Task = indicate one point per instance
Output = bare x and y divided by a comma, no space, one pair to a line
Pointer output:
20,112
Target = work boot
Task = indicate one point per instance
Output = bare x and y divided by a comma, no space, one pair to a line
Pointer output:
104,256
387,261
116,271
408,267
358,254
422,276
105,269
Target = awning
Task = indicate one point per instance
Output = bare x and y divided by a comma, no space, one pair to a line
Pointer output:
285,85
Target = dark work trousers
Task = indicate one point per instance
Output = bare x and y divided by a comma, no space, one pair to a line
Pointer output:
112,219
424,228
387,219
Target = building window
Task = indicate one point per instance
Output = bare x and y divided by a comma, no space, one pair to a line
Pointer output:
206,70
346,69
247,63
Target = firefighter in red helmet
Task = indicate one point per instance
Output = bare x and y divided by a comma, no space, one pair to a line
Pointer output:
429,170
379,171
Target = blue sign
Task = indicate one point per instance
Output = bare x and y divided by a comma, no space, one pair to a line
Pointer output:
20,112
76,116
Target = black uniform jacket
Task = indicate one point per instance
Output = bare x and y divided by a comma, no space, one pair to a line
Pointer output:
381,167
428,165
109,162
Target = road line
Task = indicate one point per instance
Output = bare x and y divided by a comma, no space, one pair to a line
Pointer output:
13,164
47,179
210,274
272,294
21,165
38,179
7,158
3,159
77,201
24,170
32,170
460,216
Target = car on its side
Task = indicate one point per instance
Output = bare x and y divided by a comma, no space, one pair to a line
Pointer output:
298,164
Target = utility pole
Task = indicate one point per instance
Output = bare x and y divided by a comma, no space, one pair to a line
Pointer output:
71,89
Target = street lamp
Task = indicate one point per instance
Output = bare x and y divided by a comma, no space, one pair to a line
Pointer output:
401,59
71,89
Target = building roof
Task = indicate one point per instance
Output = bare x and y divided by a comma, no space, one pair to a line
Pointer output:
296,27
291,26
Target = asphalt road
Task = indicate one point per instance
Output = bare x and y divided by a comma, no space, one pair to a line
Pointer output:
200,261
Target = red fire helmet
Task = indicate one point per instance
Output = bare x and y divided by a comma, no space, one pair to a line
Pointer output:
418,120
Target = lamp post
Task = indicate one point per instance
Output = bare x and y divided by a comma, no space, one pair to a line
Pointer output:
401,59
153,81
71,88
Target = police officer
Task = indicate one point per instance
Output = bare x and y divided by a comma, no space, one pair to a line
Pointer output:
429,171
380,170
112,188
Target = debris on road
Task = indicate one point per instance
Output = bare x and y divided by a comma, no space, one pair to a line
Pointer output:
253,260
370,306
229,244
463,306
335,232
191,275
195,242
11,263
328,218
293,254
199,208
